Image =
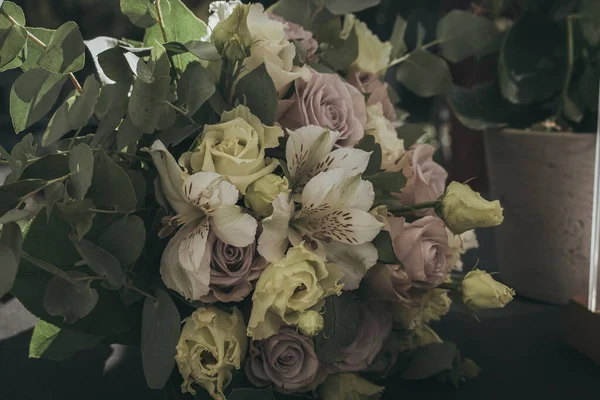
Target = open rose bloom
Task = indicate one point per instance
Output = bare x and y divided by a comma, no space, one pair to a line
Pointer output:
249,183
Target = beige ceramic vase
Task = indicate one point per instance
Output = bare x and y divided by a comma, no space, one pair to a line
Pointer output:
545,184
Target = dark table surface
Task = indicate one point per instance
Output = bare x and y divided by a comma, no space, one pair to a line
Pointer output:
521,350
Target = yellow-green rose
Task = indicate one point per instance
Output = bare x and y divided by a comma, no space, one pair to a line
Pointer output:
480,291
213,343
235,148
288,288
464,209
261,193
349,387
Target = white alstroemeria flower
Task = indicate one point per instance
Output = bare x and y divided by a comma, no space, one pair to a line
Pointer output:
334,221
309,152
203,201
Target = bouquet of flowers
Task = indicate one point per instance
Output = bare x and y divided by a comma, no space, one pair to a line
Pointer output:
236,197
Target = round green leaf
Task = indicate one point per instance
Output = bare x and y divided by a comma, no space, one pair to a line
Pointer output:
140,12
81,166
8,269
194,88
257,91
101,262
69,301
65,52
125,239
424,74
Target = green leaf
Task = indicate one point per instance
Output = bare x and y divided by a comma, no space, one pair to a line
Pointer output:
49,167
532,63
463,34
385,249
96,47
115,65
424,74
78,214
59,124
139,184
202,50
195,87
8,269
128,134
181,129
410,133
48,240
252,394
140,12
10,194
368,144
13,38
181,25
65,53
399,47
342,7
53,343
70,301
83,107
341,53
160,334
257,91
111,187
81,166
110,109
53,194
32,97
341,326
388,181
13,239
430,360
34,51
125,239
101,262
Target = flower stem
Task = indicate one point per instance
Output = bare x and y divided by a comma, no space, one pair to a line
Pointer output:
180,111
37,41
51,269
36,191
131,287
160,20
420,206
74,138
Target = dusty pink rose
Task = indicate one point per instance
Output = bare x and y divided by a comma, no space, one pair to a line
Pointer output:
375,325
376,89
327,101
427,180
297,32
287,360
389,283
422,246
233,271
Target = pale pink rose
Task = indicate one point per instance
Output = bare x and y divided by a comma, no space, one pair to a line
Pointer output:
327,101
376,89
426,178
422,246
297,32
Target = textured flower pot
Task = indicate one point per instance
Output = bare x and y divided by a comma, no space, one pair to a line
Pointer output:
545,184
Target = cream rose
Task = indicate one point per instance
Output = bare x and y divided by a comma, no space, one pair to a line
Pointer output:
480,291
373,54
235,148
212,344
382,129
288,288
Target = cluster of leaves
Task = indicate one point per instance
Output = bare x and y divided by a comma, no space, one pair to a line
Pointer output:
547,63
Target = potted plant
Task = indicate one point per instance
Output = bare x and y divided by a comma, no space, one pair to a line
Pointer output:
534,114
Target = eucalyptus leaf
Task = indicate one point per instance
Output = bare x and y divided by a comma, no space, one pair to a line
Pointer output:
13,38
140,12
34,50
203,50
101,262
84,104
388,181
127,134
385,249
78,214
53,194
110,109
160,334
97,46
51,342
15,215
111,187
65,53
257,91
368,144
139,184
424,74
59,125
340,329
32,96
195,87
70,301
8,269
430,360
13,239
181,25
399,46
342,7
116,66
341,53
48,167
125,239
81,166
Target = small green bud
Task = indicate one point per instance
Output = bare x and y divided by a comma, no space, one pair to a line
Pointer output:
261,193
311,323
231,36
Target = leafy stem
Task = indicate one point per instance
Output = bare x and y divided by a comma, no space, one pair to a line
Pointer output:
126,285
420,206
160,20
180,111
37,41
36,191
51,269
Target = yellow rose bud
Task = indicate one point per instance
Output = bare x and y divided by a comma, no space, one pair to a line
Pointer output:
263,191
288,288
464,209
231,36
480,291
311,323
213,343
349,387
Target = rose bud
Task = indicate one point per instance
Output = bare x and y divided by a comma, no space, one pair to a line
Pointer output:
261,193
311,323
480,291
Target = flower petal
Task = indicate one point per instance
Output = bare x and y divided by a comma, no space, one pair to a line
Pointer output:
305,147
233,226
208,190
353,261
273,241
348,226
353,161
192,241
356,193
320,194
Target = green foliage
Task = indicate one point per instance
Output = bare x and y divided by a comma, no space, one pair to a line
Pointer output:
8,269
78,214
368,144
430,360
53,343
140,12
111,187
424,74
34,50
341,7
102,263
81,166
195,87
397,39
160,334
33,95
257,91
125,239
70,300
12,37
341,53
341,326
65,53
181,25
385,249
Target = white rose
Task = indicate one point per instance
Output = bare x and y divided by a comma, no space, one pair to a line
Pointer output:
385,134
373,54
